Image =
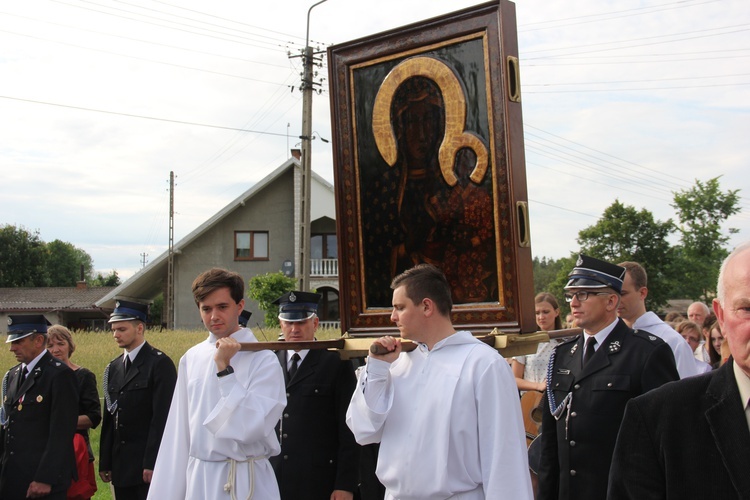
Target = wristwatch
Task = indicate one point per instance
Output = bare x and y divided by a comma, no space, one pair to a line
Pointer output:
226,371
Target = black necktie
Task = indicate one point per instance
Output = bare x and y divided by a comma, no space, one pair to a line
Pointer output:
590,343
22,377
127,363
295,364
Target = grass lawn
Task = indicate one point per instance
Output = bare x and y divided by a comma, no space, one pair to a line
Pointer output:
95,349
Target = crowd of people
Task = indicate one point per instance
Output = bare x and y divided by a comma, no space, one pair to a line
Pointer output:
619,403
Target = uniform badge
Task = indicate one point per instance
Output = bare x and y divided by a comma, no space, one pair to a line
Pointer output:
563,371
614,346
20,407
652,338
292,297
574,348
10,321
117,304
39,398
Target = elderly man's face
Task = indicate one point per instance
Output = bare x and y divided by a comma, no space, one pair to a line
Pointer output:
697,314
734,314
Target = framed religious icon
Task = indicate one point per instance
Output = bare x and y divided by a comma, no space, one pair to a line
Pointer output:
429,167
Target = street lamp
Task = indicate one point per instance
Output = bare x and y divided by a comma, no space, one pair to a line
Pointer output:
307,93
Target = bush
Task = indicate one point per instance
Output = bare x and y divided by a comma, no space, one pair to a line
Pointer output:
265,288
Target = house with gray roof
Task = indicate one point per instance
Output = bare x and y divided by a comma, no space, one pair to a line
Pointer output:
74,307
257,233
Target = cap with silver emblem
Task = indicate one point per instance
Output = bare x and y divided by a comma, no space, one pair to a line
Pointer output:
23,325
126,310
297,306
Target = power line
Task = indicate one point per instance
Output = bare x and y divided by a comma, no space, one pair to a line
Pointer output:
154,61
659,42
632,173
638,11
635,81
740,84
122,37
274,46
131,115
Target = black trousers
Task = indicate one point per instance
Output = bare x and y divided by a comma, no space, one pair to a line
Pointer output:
139,492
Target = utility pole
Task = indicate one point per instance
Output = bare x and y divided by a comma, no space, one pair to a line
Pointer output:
170,257
307,95
143,259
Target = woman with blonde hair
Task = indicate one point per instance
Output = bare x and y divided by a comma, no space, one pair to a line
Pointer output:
691,332
60,344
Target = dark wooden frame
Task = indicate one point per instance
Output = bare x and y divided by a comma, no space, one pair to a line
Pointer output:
492,27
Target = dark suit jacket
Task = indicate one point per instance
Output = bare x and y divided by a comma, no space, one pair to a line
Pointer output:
130,438
38,439
318,451
577,449
688,439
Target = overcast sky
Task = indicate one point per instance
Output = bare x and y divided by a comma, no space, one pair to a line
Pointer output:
100,99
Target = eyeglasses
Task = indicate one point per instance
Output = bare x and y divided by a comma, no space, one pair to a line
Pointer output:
582,295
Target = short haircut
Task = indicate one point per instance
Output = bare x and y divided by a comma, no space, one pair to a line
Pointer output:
686,325
551,300
637,273
720,286
426,281
215,278
59,332
674,316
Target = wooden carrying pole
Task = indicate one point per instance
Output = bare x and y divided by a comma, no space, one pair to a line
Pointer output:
509,344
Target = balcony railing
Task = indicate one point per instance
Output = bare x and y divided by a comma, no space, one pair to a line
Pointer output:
324,267
330,324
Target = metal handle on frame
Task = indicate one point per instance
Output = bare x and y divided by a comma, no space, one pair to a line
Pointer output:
522,212
514,79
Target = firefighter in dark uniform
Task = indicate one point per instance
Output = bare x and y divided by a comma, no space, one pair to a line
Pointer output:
319,458
39,416
590,379
138,390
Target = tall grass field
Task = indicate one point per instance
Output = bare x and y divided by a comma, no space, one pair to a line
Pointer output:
94,350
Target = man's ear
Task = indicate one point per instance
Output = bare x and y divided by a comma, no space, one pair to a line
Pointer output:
428,306
719,311
643,292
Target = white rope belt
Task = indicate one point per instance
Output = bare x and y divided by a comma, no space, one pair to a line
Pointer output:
230,486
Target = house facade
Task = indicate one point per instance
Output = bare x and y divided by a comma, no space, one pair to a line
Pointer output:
73,307
256,233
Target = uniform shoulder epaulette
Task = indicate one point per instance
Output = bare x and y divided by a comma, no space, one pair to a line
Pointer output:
56,363
647,336
568,340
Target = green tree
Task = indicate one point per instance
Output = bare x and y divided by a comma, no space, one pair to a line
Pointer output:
64,261
557,286
22,258
702,211
156,311
545,273
624,233
265,288
112,279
